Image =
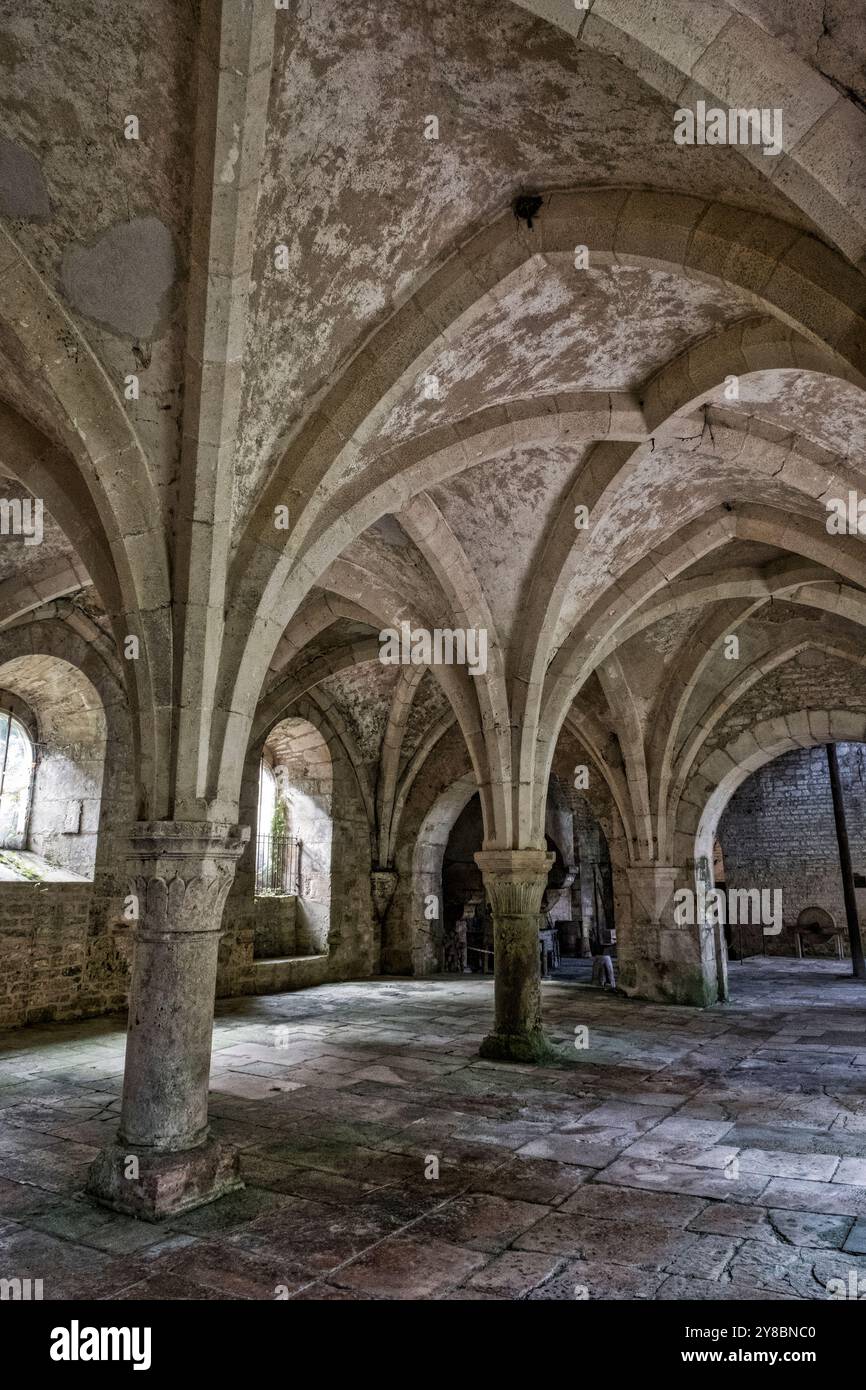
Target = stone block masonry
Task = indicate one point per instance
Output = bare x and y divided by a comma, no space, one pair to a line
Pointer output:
46,956
778,832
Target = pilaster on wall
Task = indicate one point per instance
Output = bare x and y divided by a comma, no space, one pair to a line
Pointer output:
660,959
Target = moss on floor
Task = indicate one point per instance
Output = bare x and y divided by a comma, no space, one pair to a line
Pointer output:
21,866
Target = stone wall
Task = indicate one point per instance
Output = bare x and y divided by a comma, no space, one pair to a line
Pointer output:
275,927
778,831
48,969
64,815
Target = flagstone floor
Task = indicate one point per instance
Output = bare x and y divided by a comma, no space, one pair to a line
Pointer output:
679,1154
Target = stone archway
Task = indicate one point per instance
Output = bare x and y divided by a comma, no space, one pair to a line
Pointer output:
82,724
70,723
413,942
726,768
709,791
300,849
331,806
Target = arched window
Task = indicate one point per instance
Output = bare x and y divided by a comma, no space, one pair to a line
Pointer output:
270,849
50,805
293,850
16,780
267,798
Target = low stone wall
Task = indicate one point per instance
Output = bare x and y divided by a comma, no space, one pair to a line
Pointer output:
274,927
51,964
282,976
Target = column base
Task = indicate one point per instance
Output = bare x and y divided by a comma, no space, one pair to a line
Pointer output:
666,982
167,1183
517,1047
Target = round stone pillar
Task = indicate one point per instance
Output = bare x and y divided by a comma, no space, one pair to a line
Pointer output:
164,1160
515,881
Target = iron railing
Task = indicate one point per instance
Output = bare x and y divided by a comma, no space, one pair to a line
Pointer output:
278,865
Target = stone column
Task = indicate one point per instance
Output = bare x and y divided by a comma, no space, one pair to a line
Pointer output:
586,836
660,959
515,881
164,1160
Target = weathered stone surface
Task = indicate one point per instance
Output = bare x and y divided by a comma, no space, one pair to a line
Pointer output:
358,324
515,882
153,1185
179,879
339,1190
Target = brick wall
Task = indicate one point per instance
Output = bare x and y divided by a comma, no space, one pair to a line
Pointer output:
778,832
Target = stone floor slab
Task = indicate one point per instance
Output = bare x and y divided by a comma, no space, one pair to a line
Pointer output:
685,1154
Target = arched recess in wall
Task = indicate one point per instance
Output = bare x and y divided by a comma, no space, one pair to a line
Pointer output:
779,836
66,681
744,755
718,777
419,951
17,768
294,837
68,727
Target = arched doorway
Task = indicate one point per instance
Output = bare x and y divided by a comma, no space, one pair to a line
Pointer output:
293,842
415,944
467,926
766,904
53,739
17,765
777,834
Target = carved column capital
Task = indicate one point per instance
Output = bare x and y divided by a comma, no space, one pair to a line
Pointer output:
383,883
515,879
180,872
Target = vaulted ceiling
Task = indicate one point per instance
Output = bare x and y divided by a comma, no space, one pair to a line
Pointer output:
432,387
